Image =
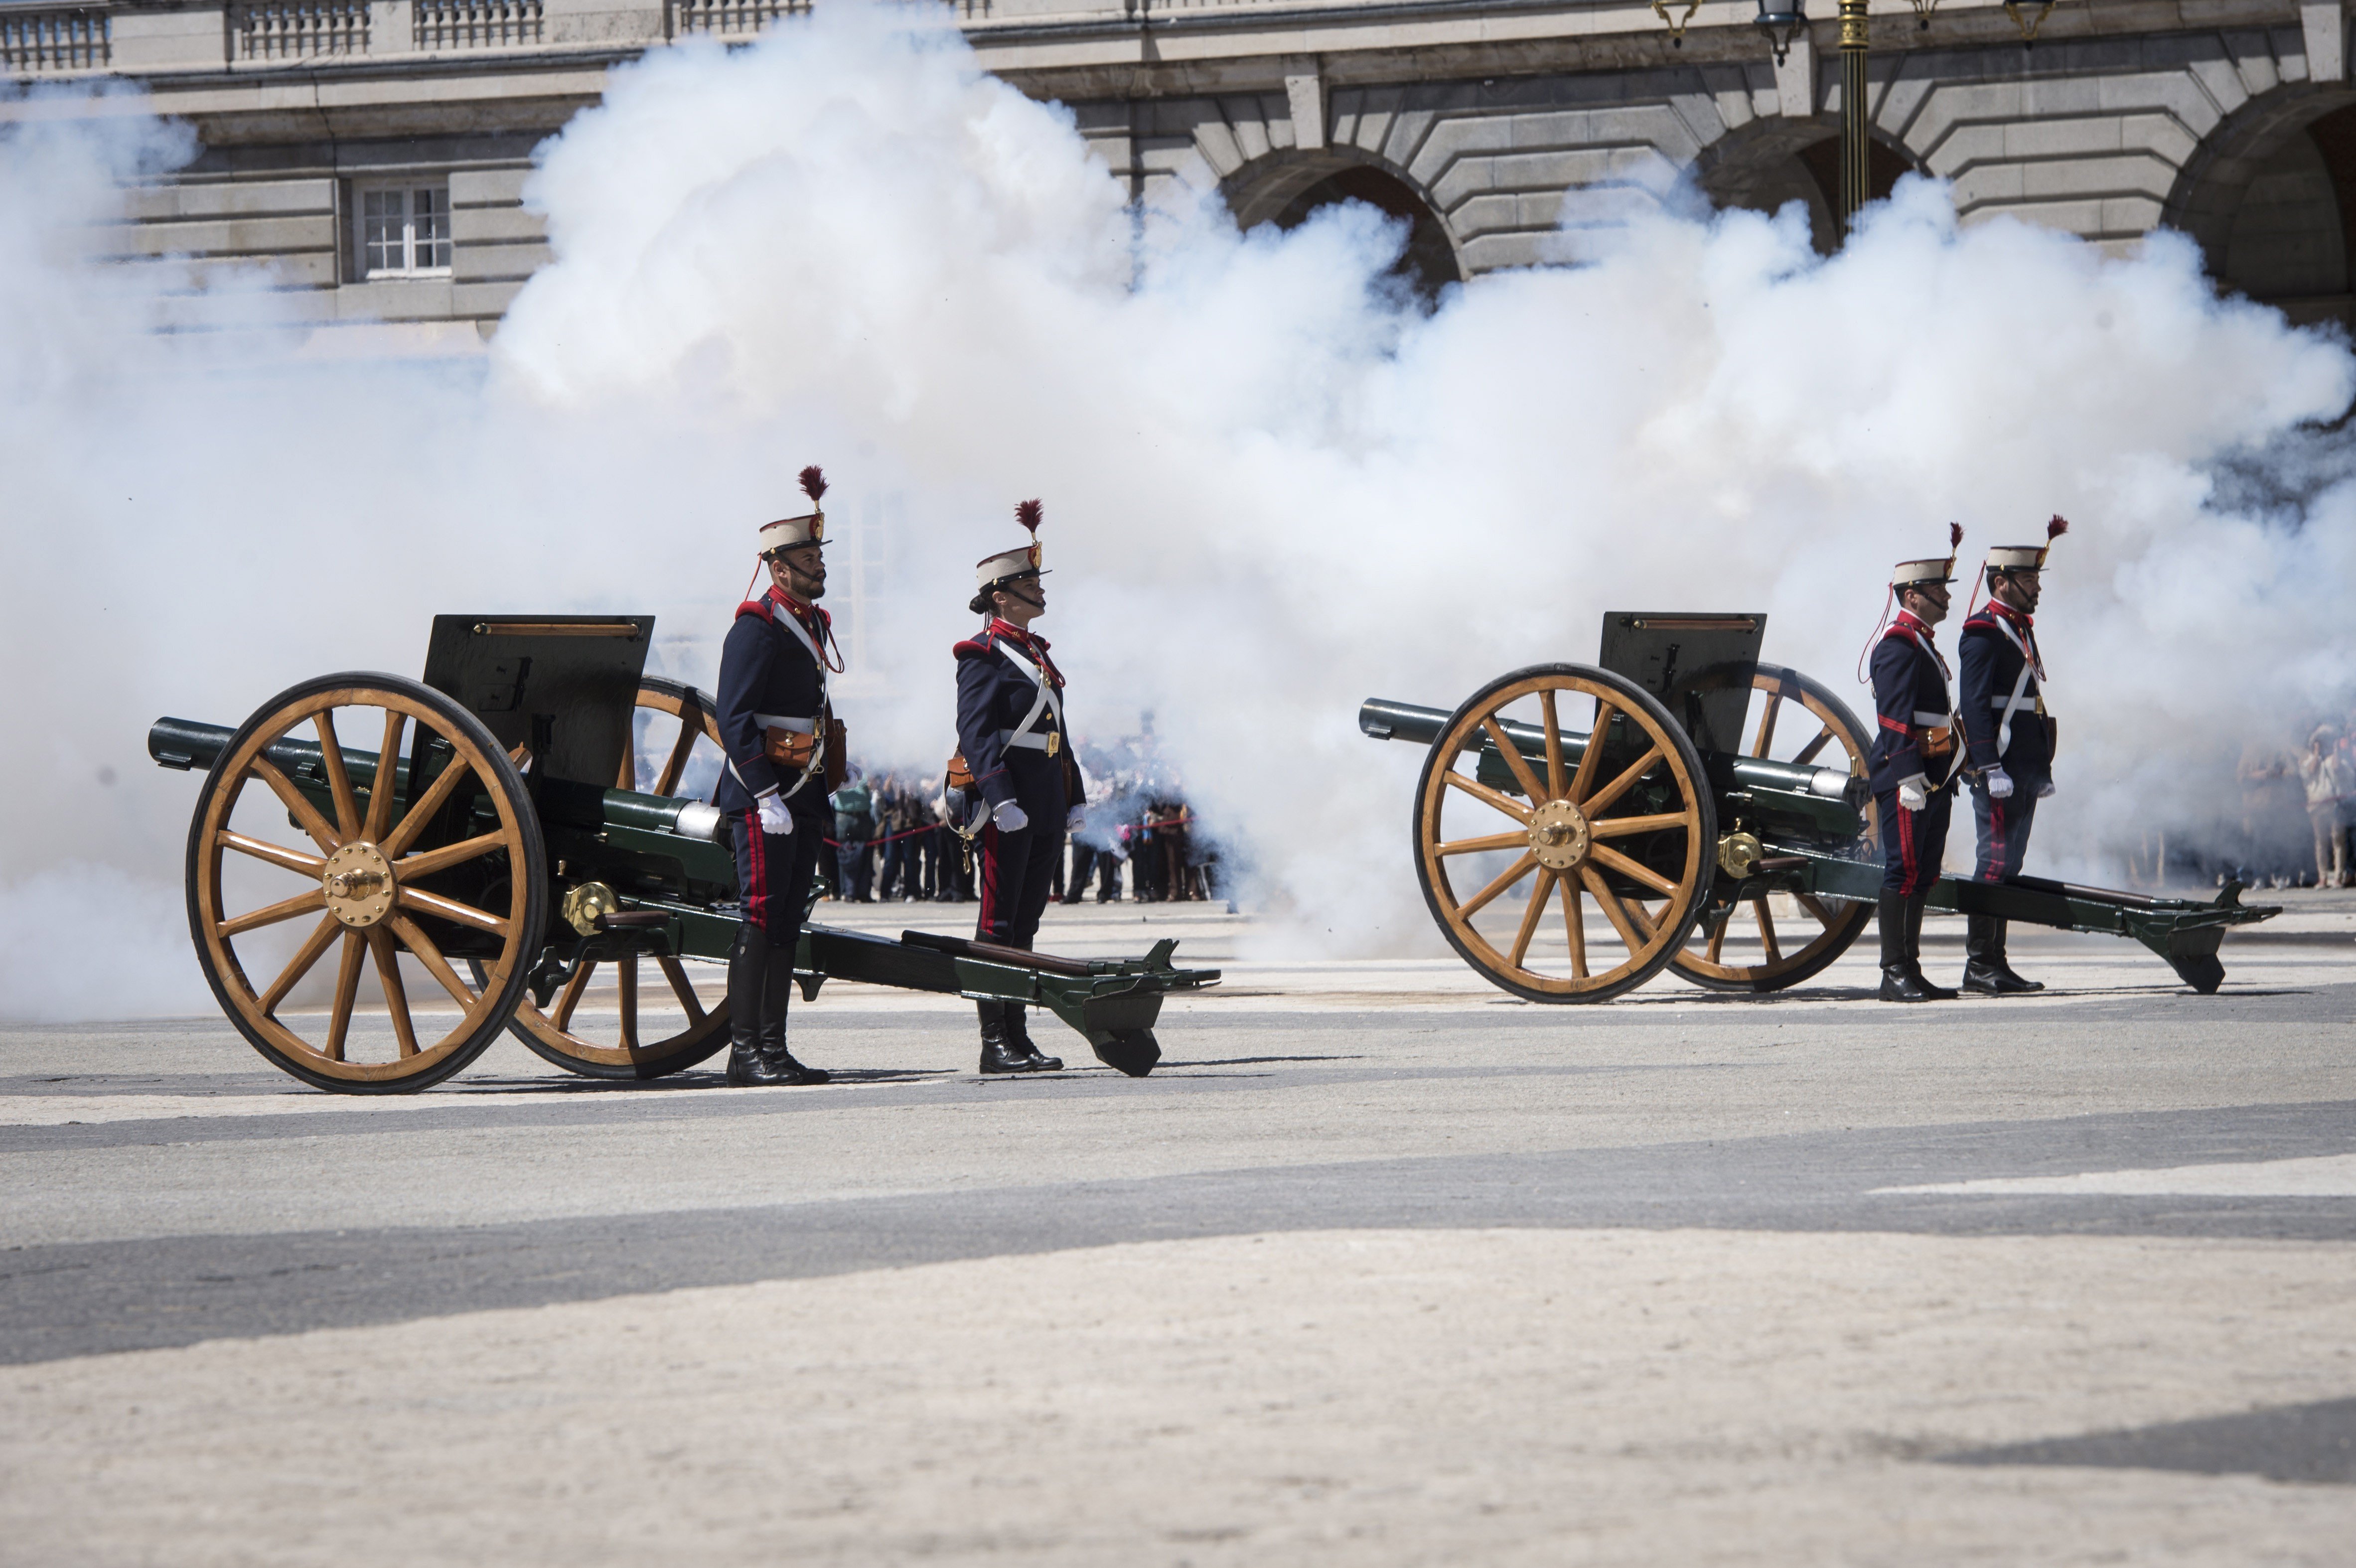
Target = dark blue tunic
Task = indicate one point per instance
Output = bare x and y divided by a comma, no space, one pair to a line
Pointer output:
1909,702
767,673
1998,655
1010,701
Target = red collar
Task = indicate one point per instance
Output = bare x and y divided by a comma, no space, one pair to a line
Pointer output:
1910,622
815,622
2018,617
1006,628
810,615
1031,641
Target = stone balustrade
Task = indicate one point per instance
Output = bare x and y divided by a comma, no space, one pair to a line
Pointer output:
730,19
299,29
448,25
44,41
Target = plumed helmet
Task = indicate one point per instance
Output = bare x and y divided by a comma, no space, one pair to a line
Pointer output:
2027,557
1932,569
1022,561
808,528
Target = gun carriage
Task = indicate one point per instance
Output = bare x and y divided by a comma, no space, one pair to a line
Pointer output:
512,836
1680,790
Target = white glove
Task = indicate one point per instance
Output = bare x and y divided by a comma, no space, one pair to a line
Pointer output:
2000,785
2045,789
1010,818
775,820
1914,793
1074,818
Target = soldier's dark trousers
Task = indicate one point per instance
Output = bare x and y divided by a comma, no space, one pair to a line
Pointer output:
2004,830
1012,873
1912,841
774,876
1912,845
2003,842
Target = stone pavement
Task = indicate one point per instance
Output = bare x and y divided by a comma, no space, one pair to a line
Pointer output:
1383,1266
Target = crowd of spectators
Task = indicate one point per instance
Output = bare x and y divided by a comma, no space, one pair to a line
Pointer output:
2295,799
1138,837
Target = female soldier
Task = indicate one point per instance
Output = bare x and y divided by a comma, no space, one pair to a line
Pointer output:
1011,732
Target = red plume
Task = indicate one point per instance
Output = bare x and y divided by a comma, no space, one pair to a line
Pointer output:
1955,534
814,485
2057,527
1027,513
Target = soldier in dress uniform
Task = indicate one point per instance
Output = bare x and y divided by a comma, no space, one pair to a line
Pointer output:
1912,763
2012,741
773,725
1011,732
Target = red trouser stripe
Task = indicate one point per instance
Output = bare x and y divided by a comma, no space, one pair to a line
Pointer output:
1906,849
1996,841
989,879
756,897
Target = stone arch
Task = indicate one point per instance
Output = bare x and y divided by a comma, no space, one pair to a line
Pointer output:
1284,187
1771,162
2270,198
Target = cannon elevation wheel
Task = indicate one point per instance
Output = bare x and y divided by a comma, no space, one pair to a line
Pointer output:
1620,818
444,858
1824,929
648,1035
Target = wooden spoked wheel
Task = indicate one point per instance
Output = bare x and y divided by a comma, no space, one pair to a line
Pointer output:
657,1024
381,873
1589,789
697,718
1823,732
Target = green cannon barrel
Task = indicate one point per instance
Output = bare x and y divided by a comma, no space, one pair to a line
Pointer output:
1387,720
185,744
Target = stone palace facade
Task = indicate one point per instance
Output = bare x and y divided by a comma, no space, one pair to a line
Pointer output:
374,151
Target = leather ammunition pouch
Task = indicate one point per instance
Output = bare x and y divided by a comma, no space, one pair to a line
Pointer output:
960,772
793,749
1938,743
788,750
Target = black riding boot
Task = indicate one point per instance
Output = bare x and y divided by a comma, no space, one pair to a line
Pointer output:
1899,983
748,966
759,977
1986,971
1018,1036
1914,950
997,1053
776,995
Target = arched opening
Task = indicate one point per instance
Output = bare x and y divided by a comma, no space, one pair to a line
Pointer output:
2288,245
1766,170
1286,193
2272,200
1429,262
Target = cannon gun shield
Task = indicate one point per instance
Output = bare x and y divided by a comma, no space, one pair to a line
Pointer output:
1585,791
432,853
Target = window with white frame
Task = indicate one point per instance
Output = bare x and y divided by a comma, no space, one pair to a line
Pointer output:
405,230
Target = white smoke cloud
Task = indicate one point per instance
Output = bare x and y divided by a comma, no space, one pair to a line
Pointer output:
1273,486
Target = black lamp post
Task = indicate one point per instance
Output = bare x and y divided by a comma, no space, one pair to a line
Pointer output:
1781,21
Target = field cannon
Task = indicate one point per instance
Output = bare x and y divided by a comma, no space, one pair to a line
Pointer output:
510,834
1642,788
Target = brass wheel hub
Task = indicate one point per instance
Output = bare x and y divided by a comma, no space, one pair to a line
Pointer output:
1558,836
358,885
585,905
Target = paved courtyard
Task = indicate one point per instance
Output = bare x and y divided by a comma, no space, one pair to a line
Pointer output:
1383,1266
